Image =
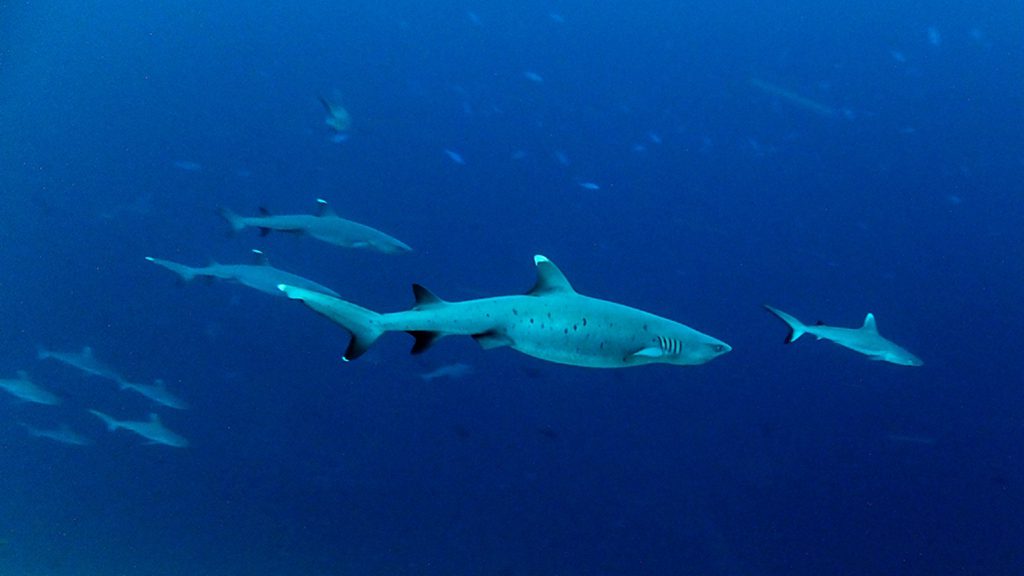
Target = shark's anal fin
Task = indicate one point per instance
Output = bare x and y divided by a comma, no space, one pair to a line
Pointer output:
492,339
424,340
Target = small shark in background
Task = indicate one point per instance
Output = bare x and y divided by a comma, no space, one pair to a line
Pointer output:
152,429
457,370
24,389
84,361
338,118
157,392
865,339
260,276
325,225
551,322
62,434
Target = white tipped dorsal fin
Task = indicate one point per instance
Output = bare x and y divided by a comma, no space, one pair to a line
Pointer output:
260,258
549,278
869,323
324,209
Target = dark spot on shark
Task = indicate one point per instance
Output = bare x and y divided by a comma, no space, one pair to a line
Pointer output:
575,327
584,321
515,312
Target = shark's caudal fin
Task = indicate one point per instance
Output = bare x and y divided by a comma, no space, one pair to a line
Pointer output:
361,323
236,222
110,422
796,327
185,272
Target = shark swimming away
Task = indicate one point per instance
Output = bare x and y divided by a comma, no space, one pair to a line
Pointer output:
325,225
63,434
865,339
152,429
24,389
157,392
84,360
260,276
551,322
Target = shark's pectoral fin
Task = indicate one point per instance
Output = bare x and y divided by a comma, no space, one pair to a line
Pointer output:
492,339
424,340
649,352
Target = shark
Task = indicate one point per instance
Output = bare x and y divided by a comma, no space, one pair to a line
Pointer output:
261,275
63,434
551,322
324,225
83,360
865,339
338,118
152,429
157,392
456,370
24,389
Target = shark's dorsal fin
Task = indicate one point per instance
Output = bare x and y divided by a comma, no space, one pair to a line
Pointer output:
259,258
869,323
424,298
323,209
550,279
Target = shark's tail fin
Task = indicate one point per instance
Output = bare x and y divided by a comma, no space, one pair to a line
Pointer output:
361,323
185,272
796,327
236,222
110,422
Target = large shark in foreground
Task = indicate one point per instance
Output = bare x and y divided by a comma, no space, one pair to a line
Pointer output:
24,389
152,429
551,322
84,360
865,339
261,275
325,225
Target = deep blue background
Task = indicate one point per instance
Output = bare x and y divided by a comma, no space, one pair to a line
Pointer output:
908,203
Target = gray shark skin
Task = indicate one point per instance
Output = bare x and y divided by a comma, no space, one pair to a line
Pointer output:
260,276
24,389
551,322
152,429
83,360
325,225
865,339
62,435
157,392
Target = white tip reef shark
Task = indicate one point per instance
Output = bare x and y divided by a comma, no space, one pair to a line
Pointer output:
260,276
325,225
152,429
865,339
552,322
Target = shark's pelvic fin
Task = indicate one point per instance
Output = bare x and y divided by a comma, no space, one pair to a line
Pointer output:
549,278
492,339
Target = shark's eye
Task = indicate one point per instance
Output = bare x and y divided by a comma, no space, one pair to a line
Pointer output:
718,348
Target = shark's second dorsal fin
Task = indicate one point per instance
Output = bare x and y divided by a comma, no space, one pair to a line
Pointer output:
869,323
323,209
550,279
259,258
424,298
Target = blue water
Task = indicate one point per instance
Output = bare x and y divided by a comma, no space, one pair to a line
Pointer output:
692,159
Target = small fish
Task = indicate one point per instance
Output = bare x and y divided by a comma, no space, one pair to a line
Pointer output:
533,77
455,156
456,370
934,36
589,185
188,165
